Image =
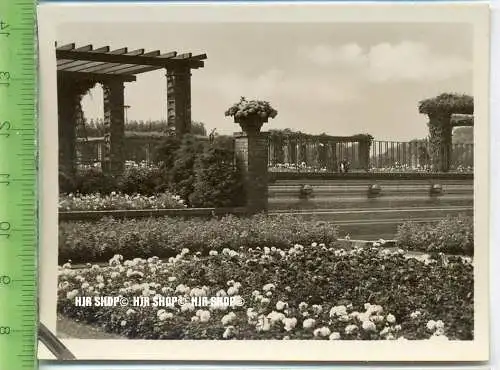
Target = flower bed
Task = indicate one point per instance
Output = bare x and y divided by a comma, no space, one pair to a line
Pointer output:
452,235
165,237
312,292
118,201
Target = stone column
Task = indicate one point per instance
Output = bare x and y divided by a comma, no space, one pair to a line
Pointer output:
68,101
364,154
251,152
179,99
440,140
114,128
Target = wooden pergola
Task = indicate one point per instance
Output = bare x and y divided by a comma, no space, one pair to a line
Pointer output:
81,68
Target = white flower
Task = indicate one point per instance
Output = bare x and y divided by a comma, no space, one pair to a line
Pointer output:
265,301
228,319
123,323
317,309
187,307
268,287
415,314
229,332
275,317
171,279
130,312
322,332
204,316
308,323
439,331
185,251
344,318
85,285
280,305
232,291
290,323
431,325
71,295
338,311
334,336
195,319
303,306
213,253
391,319
439,324
368,326
349,329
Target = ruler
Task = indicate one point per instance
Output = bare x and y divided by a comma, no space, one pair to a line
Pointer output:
18,181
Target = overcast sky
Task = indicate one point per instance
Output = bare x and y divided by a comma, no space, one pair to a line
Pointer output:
341,79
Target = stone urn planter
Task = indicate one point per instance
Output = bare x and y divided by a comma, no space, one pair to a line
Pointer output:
251,123
251,114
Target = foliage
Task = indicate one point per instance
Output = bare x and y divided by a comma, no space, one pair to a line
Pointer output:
118,201
165,237
248,108
289,133
447,104
452,235
136,179
308,291
95,127
181,176
218,180
165,152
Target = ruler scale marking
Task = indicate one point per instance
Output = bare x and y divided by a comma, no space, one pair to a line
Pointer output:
18,212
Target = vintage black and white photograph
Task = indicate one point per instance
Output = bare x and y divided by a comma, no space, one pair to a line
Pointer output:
302,181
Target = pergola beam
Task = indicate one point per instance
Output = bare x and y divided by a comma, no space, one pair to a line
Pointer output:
72,63
121,59
98,77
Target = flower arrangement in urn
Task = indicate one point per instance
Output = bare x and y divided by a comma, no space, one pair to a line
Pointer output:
251,114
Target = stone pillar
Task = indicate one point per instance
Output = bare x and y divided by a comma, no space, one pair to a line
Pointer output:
68,101
114,128
364,154
251,151
179,99
440,141
323,153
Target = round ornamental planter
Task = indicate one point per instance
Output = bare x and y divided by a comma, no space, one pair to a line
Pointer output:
251,123
435,190
374,190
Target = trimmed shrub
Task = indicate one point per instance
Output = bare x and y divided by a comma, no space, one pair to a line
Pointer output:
166,237
181,176
218,181
452,235
165,153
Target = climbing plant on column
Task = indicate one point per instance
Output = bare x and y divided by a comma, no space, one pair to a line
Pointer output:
439,110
